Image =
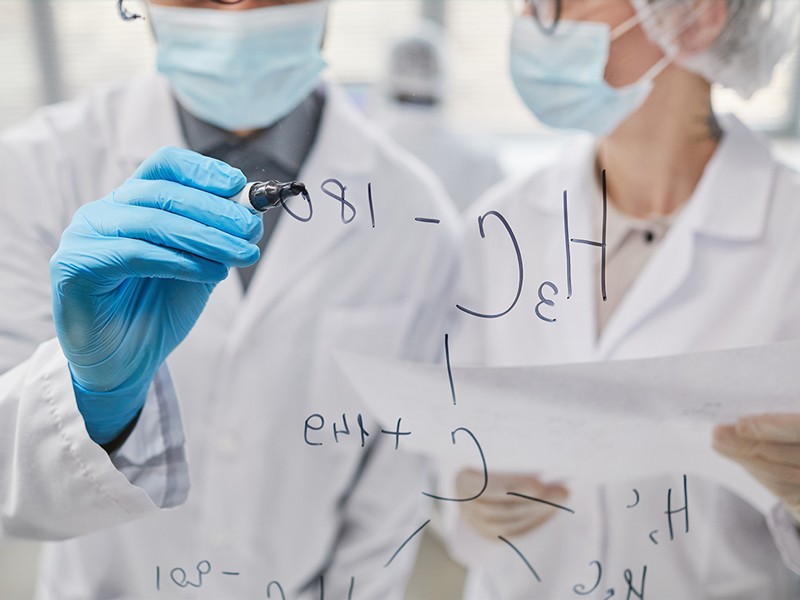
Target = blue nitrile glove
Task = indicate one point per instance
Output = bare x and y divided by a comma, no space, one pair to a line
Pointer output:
134,271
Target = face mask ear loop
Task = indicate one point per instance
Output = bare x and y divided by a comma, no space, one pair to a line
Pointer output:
625,27
656,69
632,22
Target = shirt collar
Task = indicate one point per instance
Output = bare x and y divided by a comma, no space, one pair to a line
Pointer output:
287,142
620,226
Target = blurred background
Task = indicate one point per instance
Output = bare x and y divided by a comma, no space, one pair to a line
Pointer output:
56,50
51,51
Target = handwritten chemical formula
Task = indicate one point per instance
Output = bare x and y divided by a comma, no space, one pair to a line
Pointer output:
633,580
547,289
320,430
324,429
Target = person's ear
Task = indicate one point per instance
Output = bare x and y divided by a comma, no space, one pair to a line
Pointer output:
710,19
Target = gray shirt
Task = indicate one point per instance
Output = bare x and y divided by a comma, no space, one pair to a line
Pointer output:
277,152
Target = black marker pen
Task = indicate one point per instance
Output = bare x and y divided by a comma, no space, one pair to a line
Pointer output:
260,196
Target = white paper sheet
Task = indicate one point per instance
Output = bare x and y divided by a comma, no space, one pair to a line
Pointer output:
601,422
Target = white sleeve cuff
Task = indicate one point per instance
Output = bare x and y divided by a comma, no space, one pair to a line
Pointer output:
55,482
786,534
153,456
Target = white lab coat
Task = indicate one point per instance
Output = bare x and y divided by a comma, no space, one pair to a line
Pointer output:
727,274
263,503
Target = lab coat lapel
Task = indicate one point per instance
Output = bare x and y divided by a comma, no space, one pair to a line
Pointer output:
730,203
661,277
150,121
341,151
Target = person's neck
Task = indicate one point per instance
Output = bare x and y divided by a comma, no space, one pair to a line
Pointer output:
244,133
656,158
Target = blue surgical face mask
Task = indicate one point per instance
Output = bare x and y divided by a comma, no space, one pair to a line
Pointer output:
240,69
560,76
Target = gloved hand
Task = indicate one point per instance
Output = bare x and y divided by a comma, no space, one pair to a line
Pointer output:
496,513
133,273
768,446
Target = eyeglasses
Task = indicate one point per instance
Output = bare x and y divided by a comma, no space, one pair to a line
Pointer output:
130,16
546,13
